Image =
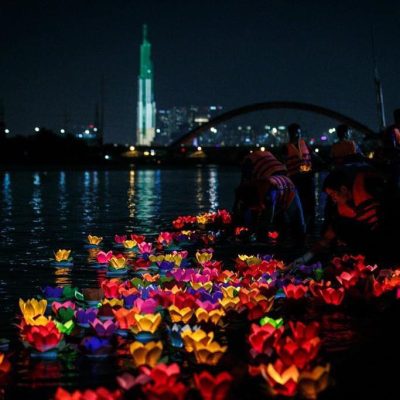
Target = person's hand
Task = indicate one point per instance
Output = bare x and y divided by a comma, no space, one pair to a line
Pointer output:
304,259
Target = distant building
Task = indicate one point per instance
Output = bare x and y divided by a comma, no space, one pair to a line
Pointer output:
146,109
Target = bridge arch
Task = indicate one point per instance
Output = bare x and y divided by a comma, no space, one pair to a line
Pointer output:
270,105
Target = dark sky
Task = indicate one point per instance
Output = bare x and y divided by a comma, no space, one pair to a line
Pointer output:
232,53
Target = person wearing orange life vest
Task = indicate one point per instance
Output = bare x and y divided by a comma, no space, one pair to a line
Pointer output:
345,151
266,199
358,215
299,164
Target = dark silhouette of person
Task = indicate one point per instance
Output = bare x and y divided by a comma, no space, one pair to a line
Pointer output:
298,161
266,198
345,151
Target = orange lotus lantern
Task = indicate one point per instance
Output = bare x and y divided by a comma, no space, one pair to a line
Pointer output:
125,318
209,353
312,382
146,354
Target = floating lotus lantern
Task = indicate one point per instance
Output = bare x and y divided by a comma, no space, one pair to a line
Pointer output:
117,266
4,364
209,353
348,279
95,394
146,326
146,354
332,296
145,248
129,244
213,387
296,353
84,317
276,323
312,382
125,320
44,339
212,316
103,329
94,241
65,327
204,256
95,347
193,337
119,240
111,288
52,293
295,292
103,258
180,314
282,379
62,259
33,311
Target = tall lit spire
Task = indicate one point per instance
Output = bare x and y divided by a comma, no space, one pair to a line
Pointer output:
146,110
380,107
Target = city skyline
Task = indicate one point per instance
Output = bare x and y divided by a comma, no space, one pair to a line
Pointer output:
230,55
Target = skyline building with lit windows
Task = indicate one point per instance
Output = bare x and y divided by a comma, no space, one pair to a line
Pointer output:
146,108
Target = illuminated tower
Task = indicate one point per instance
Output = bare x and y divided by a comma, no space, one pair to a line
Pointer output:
146,110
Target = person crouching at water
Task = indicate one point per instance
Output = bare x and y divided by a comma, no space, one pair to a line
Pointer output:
359,214
266,199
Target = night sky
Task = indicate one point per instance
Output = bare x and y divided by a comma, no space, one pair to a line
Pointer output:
231,53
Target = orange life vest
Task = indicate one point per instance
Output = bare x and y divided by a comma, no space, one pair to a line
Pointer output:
298,158
343,149
262,165
366,208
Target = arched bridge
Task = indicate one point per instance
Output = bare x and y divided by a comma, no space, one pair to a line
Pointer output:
270,106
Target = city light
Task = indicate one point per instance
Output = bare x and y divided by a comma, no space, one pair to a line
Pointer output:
262,148
146,153
152,152
62,130
132,148
80,136
37,129
317,150
87,131
274,130
213,130
107,157
323,138
95,129
6,131
332,130
198,148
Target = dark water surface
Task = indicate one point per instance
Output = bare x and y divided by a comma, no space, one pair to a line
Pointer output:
41,212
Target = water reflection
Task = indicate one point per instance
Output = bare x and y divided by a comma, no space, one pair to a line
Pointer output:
147,202
90,204
213,188
62,276
7,209
62,201
199,189
131,196
37,204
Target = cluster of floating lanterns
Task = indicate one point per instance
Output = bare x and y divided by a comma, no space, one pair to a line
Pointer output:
169,309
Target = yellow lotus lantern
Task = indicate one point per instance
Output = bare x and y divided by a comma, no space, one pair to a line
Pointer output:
230,291
147,323
175,258
202,219
213,316
94,240
113,302
203,257
180,315
118,262
156,258
192,338
210,353
146,354
199,285
62,255
129,244
228,303
33,310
